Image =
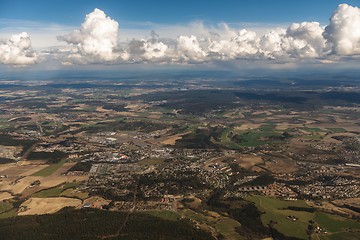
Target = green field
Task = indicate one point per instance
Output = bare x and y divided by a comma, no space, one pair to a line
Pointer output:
9,214
255,137
166,215
333,223
71,194
7,210
226,141
52,192
312,130
198,217
89,109
3,120
5,206
275,211
50,169
337,130
313,137
56,191
340,236
223,225
227,227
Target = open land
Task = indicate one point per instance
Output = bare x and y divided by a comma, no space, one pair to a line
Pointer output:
210,159
39,206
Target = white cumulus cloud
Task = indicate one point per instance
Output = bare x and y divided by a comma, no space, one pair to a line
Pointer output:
242,44
305,40
154,50
343,32
96,40
271,44
189,49
147,50
17,50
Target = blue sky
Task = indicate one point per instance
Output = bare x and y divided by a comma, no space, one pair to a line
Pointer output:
71,12
282,34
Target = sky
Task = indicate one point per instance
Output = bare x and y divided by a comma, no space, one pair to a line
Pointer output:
70,12
278,34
